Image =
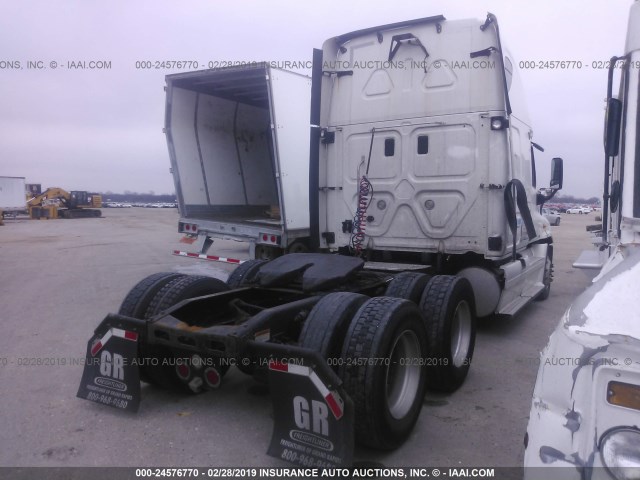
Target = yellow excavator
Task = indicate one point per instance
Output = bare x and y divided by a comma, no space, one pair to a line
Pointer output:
58,203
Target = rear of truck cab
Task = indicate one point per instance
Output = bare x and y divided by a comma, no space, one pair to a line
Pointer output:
423,130
420,109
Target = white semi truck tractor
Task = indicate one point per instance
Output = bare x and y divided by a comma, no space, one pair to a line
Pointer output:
423,215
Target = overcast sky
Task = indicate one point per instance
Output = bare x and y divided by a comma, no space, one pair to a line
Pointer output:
101,130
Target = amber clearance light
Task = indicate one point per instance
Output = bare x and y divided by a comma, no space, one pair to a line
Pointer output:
624,395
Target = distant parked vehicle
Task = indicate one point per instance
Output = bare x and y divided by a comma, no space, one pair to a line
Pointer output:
12,196
579,210
552,216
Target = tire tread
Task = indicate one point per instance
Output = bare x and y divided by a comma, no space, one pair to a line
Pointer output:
408,285
364,340
137,300
435,304
244,273
328,321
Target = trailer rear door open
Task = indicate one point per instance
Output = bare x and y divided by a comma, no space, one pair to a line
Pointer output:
239,142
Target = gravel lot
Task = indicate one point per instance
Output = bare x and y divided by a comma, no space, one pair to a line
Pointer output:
59,278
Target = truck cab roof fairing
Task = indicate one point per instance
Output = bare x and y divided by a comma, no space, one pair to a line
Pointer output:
341,39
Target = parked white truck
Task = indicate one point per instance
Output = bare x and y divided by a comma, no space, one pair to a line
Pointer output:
13,198
239,148
585,412
427,158
423,215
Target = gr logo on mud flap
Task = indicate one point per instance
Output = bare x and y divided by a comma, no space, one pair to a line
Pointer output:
312,416
112,365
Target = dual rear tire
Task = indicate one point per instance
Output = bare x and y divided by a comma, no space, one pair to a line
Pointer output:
367,342
388,350
160,365
382,375
448,306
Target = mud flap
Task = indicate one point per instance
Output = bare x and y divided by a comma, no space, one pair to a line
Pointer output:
313,426
111,375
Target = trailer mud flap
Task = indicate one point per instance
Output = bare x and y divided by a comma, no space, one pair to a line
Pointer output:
313,426
111,375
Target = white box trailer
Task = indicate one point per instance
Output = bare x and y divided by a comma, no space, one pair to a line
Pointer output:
12,194
238,140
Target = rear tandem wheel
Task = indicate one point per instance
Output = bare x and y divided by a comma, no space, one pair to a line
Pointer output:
245,273
408,285
176,369
137,301
326,326
381,370
449,309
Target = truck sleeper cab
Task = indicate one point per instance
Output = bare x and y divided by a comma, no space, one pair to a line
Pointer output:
424,149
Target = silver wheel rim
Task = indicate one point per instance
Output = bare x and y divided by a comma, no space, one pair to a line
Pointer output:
403,374
460,333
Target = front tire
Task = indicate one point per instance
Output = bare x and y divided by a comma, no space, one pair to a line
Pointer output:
547,276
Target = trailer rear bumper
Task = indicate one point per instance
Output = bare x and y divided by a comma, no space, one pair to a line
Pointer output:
259,230
228,229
